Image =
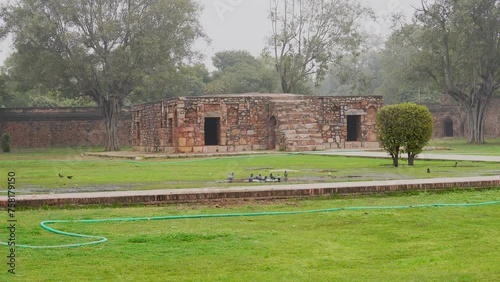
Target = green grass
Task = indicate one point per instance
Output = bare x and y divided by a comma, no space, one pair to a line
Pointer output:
424,244
40,174
460,146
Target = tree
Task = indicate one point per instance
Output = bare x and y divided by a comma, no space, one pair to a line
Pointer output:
308,35
460,42
404,128
240,72
102,49
353,76
403,73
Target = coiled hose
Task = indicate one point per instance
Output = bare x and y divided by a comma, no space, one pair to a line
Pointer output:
101,239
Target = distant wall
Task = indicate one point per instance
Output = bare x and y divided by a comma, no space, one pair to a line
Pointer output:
450,121
60,127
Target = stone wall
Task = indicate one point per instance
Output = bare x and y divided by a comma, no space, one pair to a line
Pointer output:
59,127
254,122
447,116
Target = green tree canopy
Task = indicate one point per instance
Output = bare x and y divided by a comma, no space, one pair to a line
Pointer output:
104,50
240,72
457,45
404,128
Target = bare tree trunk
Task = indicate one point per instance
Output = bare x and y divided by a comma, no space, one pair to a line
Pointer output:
476,118
111,109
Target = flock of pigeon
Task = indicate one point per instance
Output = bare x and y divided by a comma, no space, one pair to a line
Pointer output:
260,178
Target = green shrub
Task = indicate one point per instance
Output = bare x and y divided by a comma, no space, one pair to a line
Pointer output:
5,140
404,128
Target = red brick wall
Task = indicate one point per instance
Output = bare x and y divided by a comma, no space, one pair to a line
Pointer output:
442,113
59,127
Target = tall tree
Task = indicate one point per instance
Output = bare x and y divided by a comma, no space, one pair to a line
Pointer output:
460,41
240,72
308,35
405,75
104,49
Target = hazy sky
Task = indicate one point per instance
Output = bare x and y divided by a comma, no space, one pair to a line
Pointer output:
243,24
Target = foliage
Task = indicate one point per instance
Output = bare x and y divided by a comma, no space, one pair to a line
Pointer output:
403,73
353,75
183,80
104,50
458,45
5,140
308,35
240,72
56,99
404,128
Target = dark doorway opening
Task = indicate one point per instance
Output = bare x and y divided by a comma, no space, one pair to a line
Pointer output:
353,128
448,128
170,131
272,133
138,134
212,131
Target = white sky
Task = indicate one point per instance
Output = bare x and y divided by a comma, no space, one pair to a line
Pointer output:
244,24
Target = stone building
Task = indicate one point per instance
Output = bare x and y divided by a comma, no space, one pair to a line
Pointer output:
244,122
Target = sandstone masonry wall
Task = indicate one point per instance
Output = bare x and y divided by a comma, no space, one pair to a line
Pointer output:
253,122
59,127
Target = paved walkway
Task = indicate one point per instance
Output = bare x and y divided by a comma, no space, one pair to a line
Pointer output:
376,154
259,188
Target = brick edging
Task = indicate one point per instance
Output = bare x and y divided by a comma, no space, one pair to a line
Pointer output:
277,192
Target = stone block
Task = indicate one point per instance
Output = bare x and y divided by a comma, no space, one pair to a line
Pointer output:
182,142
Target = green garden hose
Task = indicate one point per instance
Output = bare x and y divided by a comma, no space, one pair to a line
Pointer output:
100,239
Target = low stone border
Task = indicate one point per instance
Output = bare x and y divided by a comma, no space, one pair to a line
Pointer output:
268,192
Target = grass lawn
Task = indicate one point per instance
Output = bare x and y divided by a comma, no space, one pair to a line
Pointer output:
460,146
418,244
39,173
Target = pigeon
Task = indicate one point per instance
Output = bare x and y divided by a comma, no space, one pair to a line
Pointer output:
250,179
286,174
60,175
230,177
272,176
279,177
70,176
428,170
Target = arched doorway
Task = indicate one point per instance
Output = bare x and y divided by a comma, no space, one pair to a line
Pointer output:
272,133
448,127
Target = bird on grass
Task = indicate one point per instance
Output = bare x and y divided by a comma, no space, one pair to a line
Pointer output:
286,174
230,177
250,179
428,170
70,177
60,175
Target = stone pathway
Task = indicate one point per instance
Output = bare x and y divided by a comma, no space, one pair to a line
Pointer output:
376,154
